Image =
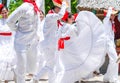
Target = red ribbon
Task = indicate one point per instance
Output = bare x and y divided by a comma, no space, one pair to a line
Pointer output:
113,27
61,42
6,33
59,23
65,17
36,9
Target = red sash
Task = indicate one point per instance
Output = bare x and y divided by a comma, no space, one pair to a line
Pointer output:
61,42
6,33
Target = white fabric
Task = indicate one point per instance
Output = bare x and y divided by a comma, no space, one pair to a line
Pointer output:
48,45
67,30
40,30
84,53
41,63
49,30
109,32
41,4
24,12
7,53
112,71
25,39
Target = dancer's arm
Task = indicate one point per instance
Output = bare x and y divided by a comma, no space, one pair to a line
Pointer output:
15,16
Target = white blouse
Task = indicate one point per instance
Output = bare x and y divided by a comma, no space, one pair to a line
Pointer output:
25,21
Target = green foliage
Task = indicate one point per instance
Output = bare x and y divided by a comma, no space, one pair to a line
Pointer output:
14,5
48,5
73,6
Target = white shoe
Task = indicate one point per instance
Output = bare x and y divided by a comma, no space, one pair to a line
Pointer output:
34,81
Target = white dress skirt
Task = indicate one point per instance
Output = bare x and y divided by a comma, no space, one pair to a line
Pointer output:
82,54
7,54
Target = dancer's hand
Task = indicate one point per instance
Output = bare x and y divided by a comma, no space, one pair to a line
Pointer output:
66,3
109,12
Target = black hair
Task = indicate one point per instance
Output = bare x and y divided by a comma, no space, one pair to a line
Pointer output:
3,8
55,7
70,15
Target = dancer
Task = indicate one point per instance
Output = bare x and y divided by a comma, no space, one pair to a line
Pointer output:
24,20
7,52
81,49
112,71
48,44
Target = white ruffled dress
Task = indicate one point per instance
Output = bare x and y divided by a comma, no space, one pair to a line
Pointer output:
7,53
83,53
